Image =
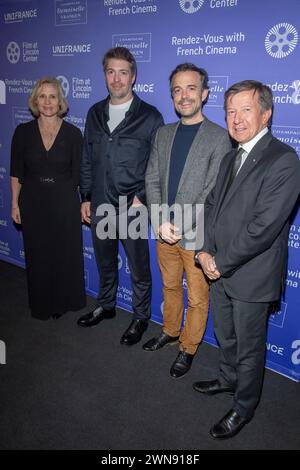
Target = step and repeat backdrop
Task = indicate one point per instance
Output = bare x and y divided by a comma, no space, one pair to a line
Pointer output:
232,39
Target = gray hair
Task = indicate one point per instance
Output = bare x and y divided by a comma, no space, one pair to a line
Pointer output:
265,95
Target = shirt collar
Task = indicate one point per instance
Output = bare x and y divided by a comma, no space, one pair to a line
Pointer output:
248,146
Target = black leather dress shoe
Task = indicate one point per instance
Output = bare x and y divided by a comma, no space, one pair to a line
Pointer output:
229,426
157,343
134,332
212,387
96,316
182,364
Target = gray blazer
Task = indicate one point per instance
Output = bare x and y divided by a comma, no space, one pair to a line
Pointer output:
198,178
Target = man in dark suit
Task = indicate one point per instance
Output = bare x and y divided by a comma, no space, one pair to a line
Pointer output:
117,141
245,247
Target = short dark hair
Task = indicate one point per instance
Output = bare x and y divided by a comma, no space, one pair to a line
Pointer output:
265,95
121,53
189,67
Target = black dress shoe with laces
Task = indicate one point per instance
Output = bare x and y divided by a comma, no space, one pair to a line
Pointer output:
229,426
212,387
182,364
134,332
157,343
96,316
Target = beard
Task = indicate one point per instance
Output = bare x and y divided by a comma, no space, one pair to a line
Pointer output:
190,112
119,93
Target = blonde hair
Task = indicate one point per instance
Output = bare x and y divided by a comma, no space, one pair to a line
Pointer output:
32,102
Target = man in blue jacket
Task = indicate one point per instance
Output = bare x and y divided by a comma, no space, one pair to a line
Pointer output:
118,135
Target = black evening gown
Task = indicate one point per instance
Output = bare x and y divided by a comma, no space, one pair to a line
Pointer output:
50,215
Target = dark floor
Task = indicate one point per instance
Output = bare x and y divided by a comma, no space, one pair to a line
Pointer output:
64,387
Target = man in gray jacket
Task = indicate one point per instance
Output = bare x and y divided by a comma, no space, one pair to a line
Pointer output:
182,170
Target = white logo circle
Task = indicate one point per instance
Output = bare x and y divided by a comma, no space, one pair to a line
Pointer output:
191,6
162,308
281,40
64,84
13,52
120,262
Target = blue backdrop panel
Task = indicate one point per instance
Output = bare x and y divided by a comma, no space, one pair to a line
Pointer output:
232,39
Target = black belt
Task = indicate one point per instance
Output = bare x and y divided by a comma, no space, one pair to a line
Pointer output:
48,179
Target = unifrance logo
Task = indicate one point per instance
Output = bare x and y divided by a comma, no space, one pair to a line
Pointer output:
281,40
13,52
190,6
64,84
70,50
20,15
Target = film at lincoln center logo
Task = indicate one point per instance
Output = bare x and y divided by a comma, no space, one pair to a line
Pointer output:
281,40
190,6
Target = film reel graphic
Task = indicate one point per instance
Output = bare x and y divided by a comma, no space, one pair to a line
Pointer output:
190,6
13,52
281,40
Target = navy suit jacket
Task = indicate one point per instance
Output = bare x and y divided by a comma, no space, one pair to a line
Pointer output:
246,226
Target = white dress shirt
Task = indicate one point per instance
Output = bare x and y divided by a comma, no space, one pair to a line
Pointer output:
248,146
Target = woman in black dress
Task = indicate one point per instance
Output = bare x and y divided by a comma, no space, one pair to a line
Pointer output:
45,162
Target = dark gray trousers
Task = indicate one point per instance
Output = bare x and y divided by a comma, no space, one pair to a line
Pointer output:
137,252
240,328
